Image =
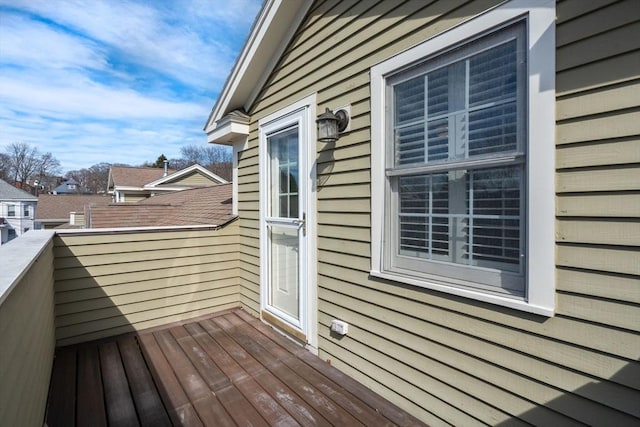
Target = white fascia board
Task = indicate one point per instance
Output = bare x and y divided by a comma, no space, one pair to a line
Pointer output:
128,188
25,200
169,189
183,172
271,32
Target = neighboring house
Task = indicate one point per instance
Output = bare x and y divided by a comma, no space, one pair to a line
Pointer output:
69,186
130,184
66,210
475,226
17,209
210,206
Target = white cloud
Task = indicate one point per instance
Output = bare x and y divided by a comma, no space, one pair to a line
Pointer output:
191,47
81,144
28,43
90,99
114,80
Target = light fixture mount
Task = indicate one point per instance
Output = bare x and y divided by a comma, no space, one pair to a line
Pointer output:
330,125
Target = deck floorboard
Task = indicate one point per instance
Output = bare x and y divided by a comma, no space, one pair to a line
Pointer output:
229,369
90,408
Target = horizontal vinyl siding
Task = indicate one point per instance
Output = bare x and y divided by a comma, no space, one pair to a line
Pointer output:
132,198
195,178
114,283
450,360
598,185
27,337
249,225
598,163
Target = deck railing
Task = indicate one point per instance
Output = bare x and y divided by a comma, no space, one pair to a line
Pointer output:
27,327
73,286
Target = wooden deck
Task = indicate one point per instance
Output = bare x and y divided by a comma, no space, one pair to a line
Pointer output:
226,370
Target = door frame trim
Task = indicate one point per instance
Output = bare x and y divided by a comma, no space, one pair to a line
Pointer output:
308,152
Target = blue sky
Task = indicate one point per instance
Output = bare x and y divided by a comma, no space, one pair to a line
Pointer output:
115,81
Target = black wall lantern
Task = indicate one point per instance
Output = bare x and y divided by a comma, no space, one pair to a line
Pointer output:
330,125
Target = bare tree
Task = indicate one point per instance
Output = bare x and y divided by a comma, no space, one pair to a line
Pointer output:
5,167
222,169
93,179
23,161
48,166
178,164
191,154
217,154
215,158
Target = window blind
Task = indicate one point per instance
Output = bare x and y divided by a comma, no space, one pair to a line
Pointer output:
463,109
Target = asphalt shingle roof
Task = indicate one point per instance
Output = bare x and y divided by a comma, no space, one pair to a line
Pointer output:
136,177
58,207
9,192
199,206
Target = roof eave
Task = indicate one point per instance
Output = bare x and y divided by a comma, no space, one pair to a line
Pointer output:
128,188
183,172
274,27
168,189
18,200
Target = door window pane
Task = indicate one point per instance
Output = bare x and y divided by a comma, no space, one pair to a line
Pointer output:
283,154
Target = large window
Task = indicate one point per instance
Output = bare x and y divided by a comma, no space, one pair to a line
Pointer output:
456,164
11,210
463,174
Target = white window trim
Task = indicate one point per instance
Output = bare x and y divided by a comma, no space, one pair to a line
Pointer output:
540,254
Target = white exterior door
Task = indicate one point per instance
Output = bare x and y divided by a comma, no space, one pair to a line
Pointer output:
287,272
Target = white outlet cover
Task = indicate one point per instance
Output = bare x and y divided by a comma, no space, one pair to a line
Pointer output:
339,327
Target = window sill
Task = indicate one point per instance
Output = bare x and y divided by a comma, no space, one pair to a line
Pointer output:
514,303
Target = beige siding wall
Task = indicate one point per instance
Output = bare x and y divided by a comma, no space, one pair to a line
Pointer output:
133,197
451,360
195,178
27,337
107,284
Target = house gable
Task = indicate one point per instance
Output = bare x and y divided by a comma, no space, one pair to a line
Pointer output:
192,175
273,29
128,184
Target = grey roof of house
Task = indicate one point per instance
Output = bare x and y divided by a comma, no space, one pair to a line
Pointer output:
63,188
9,192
